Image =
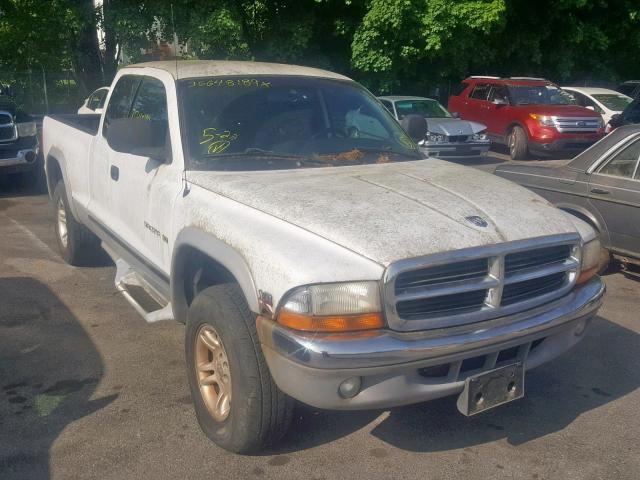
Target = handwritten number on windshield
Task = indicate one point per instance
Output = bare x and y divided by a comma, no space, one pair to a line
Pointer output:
230,83
217,142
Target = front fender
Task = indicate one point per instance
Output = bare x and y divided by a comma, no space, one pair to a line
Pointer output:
191,238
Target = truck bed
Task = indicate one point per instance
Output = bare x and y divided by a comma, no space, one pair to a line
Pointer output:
87,123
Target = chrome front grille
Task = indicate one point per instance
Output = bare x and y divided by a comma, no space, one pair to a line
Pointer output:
8,130
576,124
477,284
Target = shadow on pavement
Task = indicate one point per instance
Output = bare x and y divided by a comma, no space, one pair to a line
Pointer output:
49,369
598,371
21,185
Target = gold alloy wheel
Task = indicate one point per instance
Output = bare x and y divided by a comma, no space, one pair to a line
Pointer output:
212,372
63,232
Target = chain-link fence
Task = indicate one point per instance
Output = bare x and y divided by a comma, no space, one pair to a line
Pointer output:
41,92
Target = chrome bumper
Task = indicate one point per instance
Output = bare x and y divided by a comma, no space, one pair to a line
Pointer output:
310,368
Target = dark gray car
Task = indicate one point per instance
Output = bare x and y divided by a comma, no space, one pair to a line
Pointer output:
601,186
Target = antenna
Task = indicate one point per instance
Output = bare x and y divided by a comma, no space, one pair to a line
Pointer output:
175,41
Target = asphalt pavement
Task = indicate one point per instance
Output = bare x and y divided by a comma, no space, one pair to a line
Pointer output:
89,390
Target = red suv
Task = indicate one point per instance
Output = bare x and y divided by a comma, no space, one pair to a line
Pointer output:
527,114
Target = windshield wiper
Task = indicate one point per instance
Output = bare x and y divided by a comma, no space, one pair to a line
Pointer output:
253,151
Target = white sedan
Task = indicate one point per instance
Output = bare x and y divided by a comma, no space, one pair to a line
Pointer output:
94,102
602,100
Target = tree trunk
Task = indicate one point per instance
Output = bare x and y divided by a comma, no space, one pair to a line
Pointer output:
87,57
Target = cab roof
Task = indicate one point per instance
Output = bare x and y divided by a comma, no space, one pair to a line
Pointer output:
182,69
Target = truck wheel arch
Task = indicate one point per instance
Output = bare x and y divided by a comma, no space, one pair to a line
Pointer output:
195,251
55,172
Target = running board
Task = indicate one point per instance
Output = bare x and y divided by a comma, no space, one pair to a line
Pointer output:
140,295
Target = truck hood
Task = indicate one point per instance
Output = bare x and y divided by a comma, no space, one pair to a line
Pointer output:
453,126
393,211
559,110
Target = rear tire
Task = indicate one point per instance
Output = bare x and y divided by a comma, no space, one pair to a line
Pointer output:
76,242
518,149
224,359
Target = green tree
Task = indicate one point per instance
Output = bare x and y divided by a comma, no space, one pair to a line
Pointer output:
414,42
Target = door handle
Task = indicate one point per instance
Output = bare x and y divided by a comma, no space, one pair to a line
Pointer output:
600,191
115,173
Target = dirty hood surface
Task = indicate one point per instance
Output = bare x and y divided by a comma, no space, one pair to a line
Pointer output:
393,211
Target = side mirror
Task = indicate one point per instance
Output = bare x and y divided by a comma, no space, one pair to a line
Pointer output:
616,120
455,114
591,107
415,126
139,136
499,102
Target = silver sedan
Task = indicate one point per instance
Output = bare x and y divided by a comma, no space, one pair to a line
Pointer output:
448,136
601,186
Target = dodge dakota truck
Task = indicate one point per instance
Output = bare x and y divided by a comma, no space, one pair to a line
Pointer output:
313,253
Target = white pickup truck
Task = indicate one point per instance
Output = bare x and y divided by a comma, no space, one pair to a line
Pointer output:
313,253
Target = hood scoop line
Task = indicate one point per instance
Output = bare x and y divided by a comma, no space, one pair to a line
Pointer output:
457,220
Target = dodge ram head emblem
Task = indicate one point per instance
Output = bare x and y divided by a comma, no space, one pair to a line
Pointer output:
477,221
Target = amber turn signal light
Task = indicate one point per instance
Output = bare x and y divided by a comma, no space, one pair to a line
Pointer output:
586,275
331,323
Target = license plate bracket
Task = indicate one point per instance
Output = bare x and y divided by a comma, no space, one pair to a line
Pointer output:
490,389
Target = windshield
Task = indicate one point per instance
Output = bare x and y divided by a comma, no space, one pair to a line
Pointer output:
539,95
615,102
426,108
278,122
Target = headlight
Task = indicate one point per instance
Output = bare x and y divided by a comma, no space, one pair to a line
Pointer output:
27,129
590,261
480,136
544,120
436,137
333,307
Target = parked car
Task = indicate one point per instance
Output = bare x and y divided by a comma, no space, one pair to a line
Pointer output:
529,115
600,186
629,116
310,248
602,100
447,136
94,103
18,141
631,88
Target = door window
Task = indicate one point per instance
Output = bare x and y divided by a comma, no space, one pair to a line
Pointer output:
480,92
121,98
151,104
623,164
499,93
632,114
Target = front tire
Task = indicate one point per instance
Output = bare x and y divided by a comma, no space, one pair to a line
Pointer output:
76,242
237,403
518,149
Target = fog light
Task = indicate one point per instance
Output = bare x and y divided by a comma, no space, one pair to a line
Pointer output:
350,387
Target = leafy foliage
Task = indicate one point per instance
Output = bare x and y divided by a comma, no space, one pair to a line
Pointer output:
400,45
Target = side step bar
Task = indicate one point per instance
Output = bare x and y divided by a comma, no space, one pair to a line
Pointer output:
140,295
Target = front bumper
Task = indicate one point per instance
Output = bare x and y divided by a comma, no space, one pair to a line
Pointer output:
563,145
403,368
19,156
456,150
